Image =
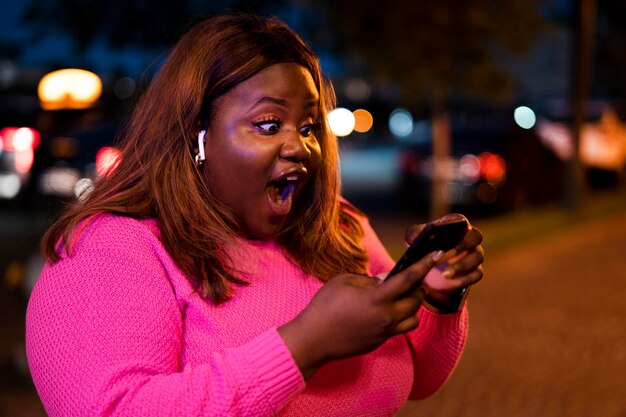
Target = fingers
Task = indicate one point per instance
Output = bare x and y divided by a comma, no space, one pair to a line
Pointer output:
450,217
465,278
472,239
465,262
409,279
408,324
409,304
406,310
458,261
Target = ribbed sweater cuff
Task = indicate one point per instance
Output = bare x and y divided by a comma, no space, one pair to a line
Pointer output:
278,373
442,324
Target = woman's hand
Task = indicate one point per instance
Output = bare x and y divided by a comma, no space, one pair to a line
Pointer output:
354,314
459,269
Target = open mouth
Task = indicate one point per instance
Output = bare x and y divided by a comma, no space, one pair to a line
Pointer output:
281,192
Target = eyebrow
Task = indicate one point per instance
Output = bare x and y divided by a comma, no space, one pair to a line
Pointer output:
282,102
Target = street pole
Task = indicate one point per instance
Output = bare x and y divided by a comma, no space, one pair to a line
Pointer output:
442,137
574,187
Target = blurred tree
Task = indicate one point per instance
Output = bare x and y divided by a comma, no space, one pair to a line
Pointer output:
610,50
120,23
431,49
436,49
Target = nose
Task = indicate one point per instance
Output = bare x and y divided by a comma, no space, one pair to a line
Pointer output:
296,147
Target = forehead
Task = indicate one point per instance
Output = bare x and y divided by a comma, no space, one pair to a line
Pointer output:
280,82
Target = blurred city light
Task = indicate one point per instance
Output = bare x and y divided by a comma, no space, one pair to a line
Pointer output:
341,121
363,120
401,123
59,181
25,138
83,187
10,185
492,167
602,144
63,147
24,161
69,89
524,117
358,90
469,165
19,139
107,159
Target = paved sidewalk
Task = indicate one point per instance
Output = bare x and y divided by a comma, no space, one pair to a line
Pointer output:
547,329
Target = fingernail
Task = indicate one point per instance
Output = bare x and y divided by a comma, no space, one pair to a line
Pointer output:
437,255
448,273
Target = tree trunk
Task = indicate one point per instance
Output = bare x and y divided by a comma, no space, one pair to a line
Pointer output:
574,186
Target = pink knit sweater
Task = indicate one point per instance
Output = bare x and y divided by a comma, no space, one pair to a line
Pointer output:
117,330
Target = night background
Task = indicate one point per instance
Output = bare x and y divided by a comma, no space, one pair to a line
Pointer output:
510,112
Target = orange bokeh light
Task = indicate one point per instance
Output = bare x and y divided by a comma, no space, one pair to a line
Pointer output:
363,120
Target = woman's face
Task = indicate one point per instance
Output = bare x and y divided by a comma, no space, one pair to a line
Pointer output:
261,146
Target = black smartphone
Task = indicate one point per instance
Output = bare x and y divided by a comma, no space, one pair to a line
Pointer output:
434,237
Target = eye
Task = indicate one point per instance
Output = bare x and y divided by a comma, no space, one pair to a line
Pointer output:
268,126
308,130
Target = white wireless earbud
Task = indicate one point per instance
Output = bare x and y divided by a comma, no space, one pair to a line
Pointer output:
200,157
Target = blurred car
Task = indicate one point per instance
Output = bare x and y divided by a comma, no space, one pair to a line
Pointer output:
602,141
68,163
475,173
19,139
17,150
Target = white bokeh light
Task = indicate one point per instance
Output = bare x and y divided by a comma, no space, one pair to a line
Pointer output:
524,117
401,123
341,121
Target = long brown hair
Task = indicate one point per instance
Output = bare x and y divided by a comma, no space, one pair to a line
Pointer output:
157,177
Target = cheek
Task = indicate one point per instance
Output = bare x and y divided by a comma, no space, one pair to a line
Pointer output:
233,167
231,149
254,154
315,160
322,153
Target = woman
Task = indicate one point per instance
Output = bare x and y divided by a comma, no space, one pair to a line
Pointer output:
216,270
